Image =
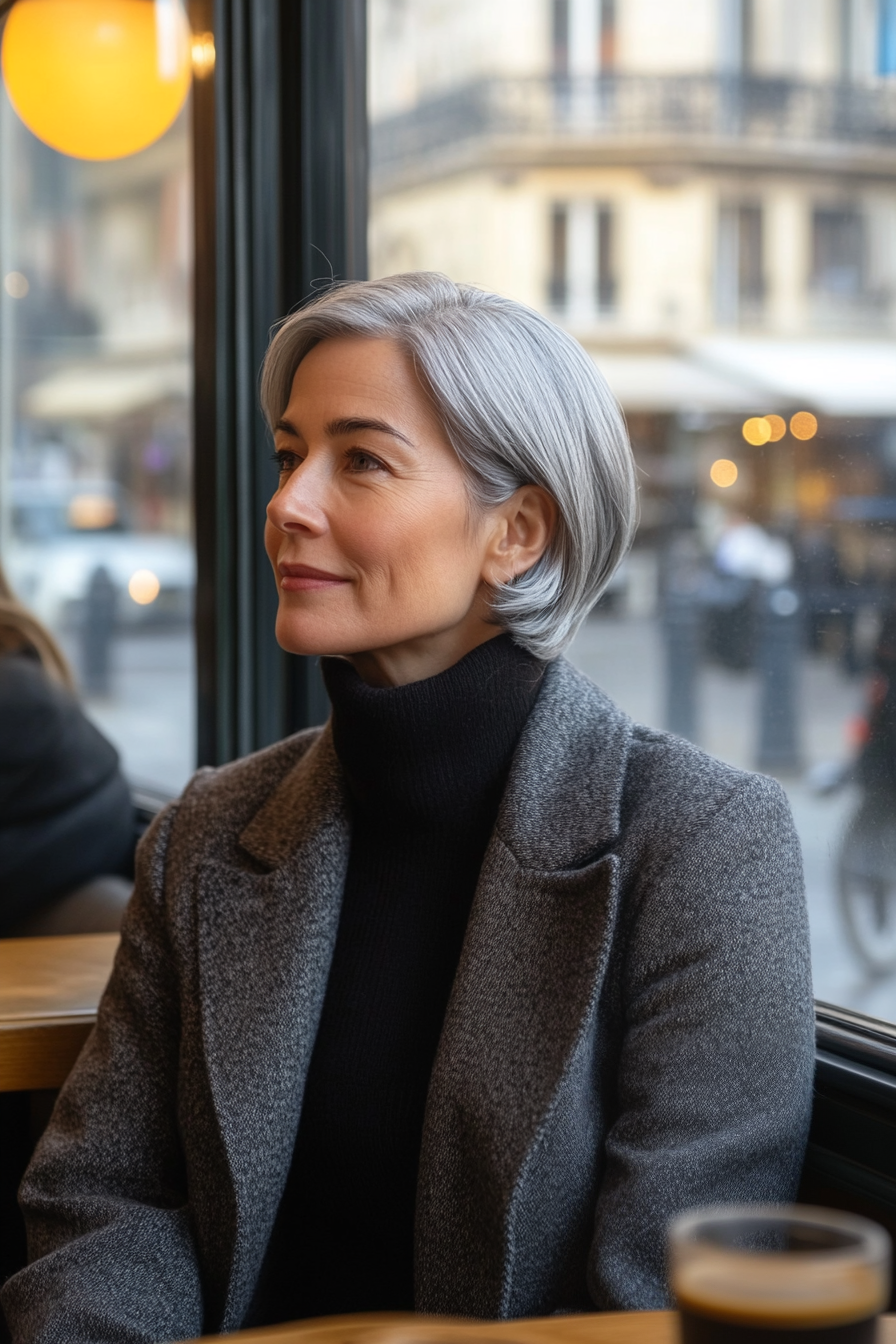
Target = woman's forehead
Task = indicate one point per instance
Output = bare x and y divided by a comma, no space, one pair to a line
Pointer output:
358,377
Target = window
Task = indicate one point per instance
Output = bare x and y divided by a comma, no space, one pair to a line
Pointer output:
739,278
730,207
558,289
582,282
560,35
736,35
583,36
886,45
838,252
607,34
95,441
605,279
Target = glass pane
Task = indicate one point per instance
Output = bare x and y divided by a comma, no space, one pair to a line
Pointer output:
95,448
705,196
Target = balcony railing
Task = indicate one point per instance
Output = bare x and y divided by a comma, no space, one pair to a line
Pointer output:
661,108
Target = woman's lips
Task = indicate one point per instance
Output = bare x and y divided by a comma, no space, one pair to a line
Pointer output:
303,578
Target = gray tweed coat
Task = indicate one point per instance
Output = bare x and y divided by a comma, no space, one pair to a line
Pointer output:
630,1033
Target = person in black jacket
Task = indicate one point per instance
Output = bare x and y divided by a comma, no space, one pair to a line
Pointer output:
66,814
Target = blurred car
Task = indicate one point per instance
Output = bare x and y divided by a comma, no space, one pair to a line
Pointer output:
64,532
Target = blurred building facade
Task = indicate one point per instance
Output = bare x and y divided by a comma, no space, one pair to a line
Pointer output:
702,192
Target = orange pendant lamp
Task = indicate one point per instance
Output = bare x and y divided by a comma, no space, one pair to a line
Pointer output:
97,79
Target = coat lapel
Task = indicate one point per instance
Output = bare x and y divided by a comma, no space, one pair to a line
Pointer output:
523,1008
266,933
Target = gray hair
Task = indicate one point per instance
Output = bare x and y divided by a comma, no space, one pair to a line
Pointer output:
521,403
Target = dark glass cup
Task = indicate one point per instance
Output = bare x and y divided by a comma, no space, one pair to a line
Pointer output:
757,1274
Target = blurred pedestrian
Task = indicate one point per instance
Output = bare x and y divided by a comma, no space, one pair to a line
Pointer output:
66,814
97,629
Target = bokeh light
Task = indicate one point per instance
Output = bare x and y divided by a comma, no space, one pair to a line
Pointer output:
91,513
97,79
723,472
778,426
144,587
803,425
16,285
203,55
757,430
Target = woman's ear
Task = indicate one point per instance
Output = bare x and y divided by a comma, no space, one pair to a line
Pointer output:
524,526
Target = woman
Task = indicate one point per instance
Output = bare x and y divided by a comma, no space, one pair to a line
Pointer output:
66,814
451,1004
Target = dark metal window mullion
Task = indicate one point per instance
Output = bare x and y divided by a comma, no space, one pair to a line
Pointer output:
287,138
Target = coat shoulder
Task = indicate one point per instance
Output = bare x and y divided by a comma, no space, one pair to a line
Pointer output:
666,787
668,772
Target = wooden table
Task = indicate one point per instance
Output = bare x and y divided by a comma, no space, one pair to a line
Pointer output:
603,1327
49,991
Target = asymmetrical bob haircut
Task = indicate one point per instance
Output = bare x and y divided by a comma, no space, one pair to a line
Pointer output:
521,403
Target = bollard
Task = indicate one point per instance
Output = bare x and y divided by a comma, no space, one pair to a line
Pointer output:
778,654
681,633
97,630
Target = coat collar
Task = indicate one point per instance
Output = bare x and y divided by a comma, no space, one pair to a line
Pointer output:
563,796
313,791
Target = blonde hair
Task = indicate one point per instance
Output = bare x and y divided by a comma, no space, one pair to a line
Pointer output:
19,630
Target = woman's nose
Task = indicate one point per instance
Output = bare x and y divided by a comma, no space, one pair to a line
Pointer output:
298,506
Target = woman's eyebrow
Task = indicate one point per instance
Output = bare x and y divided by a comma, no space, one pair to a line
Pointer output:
353,424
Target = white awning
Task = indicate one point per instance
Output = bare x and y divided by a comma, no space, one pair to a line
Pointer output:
678,382
105,391
836,377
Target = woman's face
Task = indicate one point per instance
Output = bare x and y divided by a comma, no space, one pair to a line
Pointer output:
378,553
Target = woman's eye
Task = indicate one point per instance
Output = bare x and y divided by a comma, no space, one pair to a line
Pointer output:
285,460
361,461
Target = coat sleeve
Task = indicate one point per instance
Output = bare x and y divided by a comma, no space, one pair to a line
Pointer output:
716,1068
112,1258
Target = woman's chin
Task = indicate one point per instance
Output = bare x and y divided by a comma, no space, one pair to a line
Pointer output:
305,638
313,638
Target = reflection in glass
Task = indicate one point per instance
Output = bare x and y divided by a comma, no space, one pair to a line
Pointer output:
705,196
95,453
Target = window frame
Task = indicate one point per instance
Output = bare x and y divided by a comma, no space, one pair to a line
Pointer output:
279,164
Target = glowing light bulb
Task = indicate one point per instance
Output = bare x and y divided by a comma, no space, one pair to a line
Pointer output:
97,79
778,427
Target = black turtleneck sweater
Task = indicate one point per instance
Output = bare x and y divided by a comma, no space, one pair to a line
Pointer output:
426,765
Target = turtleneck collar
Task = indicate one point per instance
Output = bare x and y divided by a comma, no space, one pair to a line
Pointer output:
433,754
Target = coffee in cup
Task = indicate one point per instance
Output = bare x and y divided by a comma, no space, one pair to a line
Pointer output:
763,1274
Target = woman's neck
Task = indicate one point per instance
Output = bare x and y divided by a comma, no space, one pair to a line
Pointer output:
437,748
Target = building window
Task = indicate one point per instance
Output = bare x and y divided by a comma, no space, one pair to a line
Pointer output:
607,34
557,289
838,253
886,43
582,282
740,282
736,36
605,280
583,35
560,37
887,38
